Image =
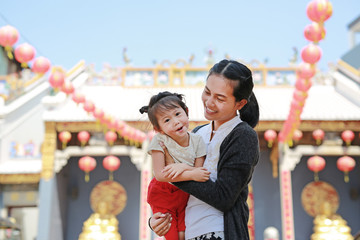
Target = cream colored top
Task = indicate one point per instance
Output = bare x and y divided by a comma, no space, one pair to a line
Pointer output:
195,149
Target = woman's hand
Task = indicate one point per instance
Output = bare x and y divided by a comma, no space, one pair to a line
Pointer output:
200,174
160,223
168,158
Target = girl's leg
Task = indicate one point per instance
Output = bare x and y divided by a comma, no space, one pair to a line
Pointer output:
182,235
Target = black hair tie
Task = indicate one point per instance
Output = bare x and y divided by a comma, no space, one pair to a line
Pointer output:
144,109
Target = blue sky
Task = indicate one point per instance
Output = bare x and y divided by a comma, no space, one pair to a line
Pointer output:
155,30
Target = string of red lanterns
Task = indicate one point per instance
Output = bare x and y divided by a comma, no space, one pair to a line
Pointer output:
318,11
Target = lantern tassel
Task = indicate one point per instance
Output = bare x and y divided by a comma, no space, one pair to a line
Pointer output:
316,176
8,50
111,176
24,65
346,177
63,145
87,177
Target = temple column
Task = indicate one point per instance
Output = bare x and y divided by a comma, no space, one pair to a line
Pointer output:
50,225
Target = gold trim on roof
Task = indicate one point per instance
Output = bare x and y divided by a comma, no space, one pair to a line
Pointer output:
19,178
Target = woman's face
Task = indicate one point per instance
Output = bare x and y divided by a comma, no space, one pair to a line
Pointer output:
219,103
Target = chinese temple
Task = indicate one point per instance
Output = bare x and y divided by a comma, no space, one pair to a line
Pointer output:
74,162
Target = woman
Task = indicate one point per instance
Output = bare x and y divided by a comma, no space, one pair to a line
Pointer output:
217,208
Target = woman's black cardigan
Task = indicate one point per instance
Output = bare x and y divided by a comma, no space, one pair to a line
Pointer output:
239,153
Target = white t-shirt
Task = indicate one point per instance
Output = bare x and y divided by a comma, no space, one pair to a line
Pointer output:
200,217
195,149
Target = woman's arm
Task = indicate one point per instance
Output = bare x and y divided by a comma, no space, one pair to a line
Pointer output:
239,154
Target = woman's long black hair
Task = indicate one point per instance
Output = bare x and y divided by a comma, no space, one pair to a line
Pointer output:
243,89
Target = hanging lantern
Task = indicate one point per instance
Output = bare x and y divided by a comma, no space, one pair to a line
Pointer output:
270,136
303,84
299,95
24,53
316,164
87,164
83,137
57,77
319,10
65,137
305,70
67,88
41,65
347,136
311,53
318,135
314,32
119,125
89,106
8,37
111,163
110,137
98,113
78,97
346,164
297,135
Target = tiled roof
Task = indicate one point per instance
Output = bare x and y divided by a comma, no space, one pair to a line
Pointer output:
323,103
25,166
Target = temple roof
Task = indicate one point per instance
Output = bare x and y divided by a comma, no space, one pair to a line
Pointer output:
323,103
352,57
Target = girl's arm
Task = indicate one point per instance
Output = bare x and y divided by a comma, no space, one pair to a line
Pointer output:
195,174
238,157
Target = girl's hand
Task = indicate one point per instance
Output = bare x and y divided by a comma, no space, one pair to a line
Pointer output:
160,223
174,170
200,174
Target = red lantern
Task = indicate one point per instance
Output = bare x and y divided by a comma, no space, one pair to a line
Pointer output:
57,77
41,65
89,106
24,53
311,53
110,137
65,137
78,97
316,164
319,10
98,113
318,135
67,88
348,136
8,37
297,135
346,164
83,137
270,136
303,84
314,32
87,164
300,95
305,70
111,163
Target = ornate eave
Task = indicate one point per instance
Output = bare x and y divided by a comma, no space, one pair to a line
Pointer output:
19,178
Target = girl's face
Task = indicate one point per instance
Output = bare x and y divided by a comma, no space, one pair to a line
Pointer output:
174,123
219,103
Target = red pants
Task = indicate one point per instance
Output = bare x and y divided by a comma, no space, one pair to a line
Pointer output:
166,198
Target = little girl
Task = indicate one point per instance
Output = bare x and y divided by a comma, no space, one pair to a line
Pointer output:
169,116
